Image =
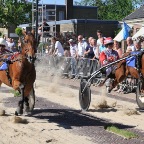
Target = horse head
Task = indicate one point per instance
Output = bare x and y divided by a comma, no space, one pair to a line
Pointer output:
29,46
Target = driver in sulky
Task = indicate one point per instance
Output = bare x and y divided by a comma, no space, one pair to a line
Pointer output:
108,55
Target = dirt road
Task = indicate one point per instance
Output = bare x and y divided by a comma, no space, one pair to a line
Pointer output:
57,118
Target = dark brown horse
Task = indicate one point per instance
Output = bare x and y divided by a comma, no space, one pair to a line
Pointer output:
122,71
21,73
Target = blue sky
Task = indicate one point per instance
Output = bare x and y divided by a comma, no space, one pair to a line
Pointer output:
54,1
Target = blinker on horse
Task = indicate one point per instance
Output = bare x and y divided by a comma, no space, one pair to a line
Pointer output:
29,46
21,73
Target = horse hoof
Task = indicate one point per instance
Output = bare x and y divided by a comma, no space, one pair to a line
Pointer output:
16,113
19,111
108,89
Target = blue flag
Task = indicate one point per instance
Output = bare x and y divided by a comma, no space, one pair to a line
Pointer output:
126,30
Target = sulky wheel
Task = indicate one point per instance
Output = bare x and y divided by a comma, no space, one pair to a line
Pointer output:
140,95
85,97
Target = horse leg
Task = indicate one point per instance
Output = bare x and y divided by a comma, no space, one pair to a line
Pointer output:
116,82
26,105
21,102
120,75
111,75
29,100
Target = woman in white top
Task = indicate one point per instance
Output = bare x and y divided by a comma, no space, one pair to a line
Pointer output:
130,44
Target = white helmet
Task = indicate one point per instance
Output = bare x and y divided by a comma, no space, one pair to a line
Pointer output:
3,42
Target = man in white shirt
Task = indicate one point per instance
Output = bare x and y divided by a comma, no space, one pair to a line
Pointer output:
59,50
80,53
81,46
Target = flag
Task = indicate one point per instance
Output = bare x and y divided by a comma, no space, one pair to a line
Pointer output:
125,30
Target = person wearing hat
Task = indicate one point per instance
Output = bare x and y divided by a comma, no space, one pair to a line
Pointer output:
3,47
3,50
109,55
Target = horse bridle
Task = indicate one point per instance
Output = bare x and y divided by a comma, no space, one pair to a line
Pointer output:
31,59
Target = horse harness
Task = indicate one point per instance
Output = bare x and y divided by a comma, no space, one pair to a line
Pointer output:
11,61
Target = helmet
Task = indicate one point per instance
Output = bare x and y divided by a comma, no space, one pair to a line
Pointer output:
3,42
108,40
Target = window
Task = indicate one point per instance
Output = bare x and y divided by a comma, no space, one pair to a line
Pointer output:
61,15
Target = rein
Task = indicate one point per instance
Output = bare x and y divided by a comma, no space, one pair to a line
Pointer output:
11,61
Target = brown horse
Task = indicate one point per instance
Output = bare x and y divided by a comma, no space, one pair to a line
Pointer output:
122,71
21,73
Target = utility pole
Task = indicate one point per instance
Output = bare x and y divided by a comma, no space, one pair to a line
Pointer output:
37,20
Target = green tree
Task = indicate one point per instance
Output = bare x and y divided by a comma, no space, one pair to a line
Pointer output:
112,9
13,12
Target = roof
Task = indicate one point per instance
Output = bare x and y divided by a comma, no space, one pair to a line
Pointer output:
74,6
139,13
77,21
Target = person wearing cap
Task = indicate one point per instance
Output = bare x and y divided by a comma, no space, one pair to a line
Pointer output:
109,55
3,50
73,53
3,47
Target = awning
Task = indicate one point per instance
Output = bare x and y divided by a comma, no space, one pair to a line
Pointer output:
119,36
139,33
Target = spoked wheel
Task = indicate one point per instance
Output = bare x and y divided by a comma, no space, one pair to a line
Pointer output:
85,97
140,95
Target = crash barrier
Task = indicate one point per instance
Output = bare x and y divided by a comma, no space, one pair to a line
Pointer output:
69,66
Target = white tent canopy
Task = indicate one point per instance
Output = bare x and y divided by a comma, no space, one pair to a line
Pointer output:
119,36
139,33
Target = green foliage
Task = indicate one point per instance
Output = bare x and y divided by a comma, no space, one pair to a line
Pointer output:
13,12
18,31
124,133
16,93
112,9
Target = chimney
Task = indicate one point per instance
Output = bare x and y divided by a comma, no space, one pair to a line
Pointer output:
69,9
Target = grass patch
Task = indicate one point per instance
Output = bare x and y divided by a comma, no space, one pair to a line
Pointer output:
124,133
16,93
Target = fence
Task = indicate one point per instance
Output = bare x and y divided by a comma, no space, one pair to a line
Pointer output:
75,68
67,66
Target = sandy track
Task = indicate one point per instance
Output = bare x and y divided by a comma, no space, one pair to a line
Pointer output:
38,131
